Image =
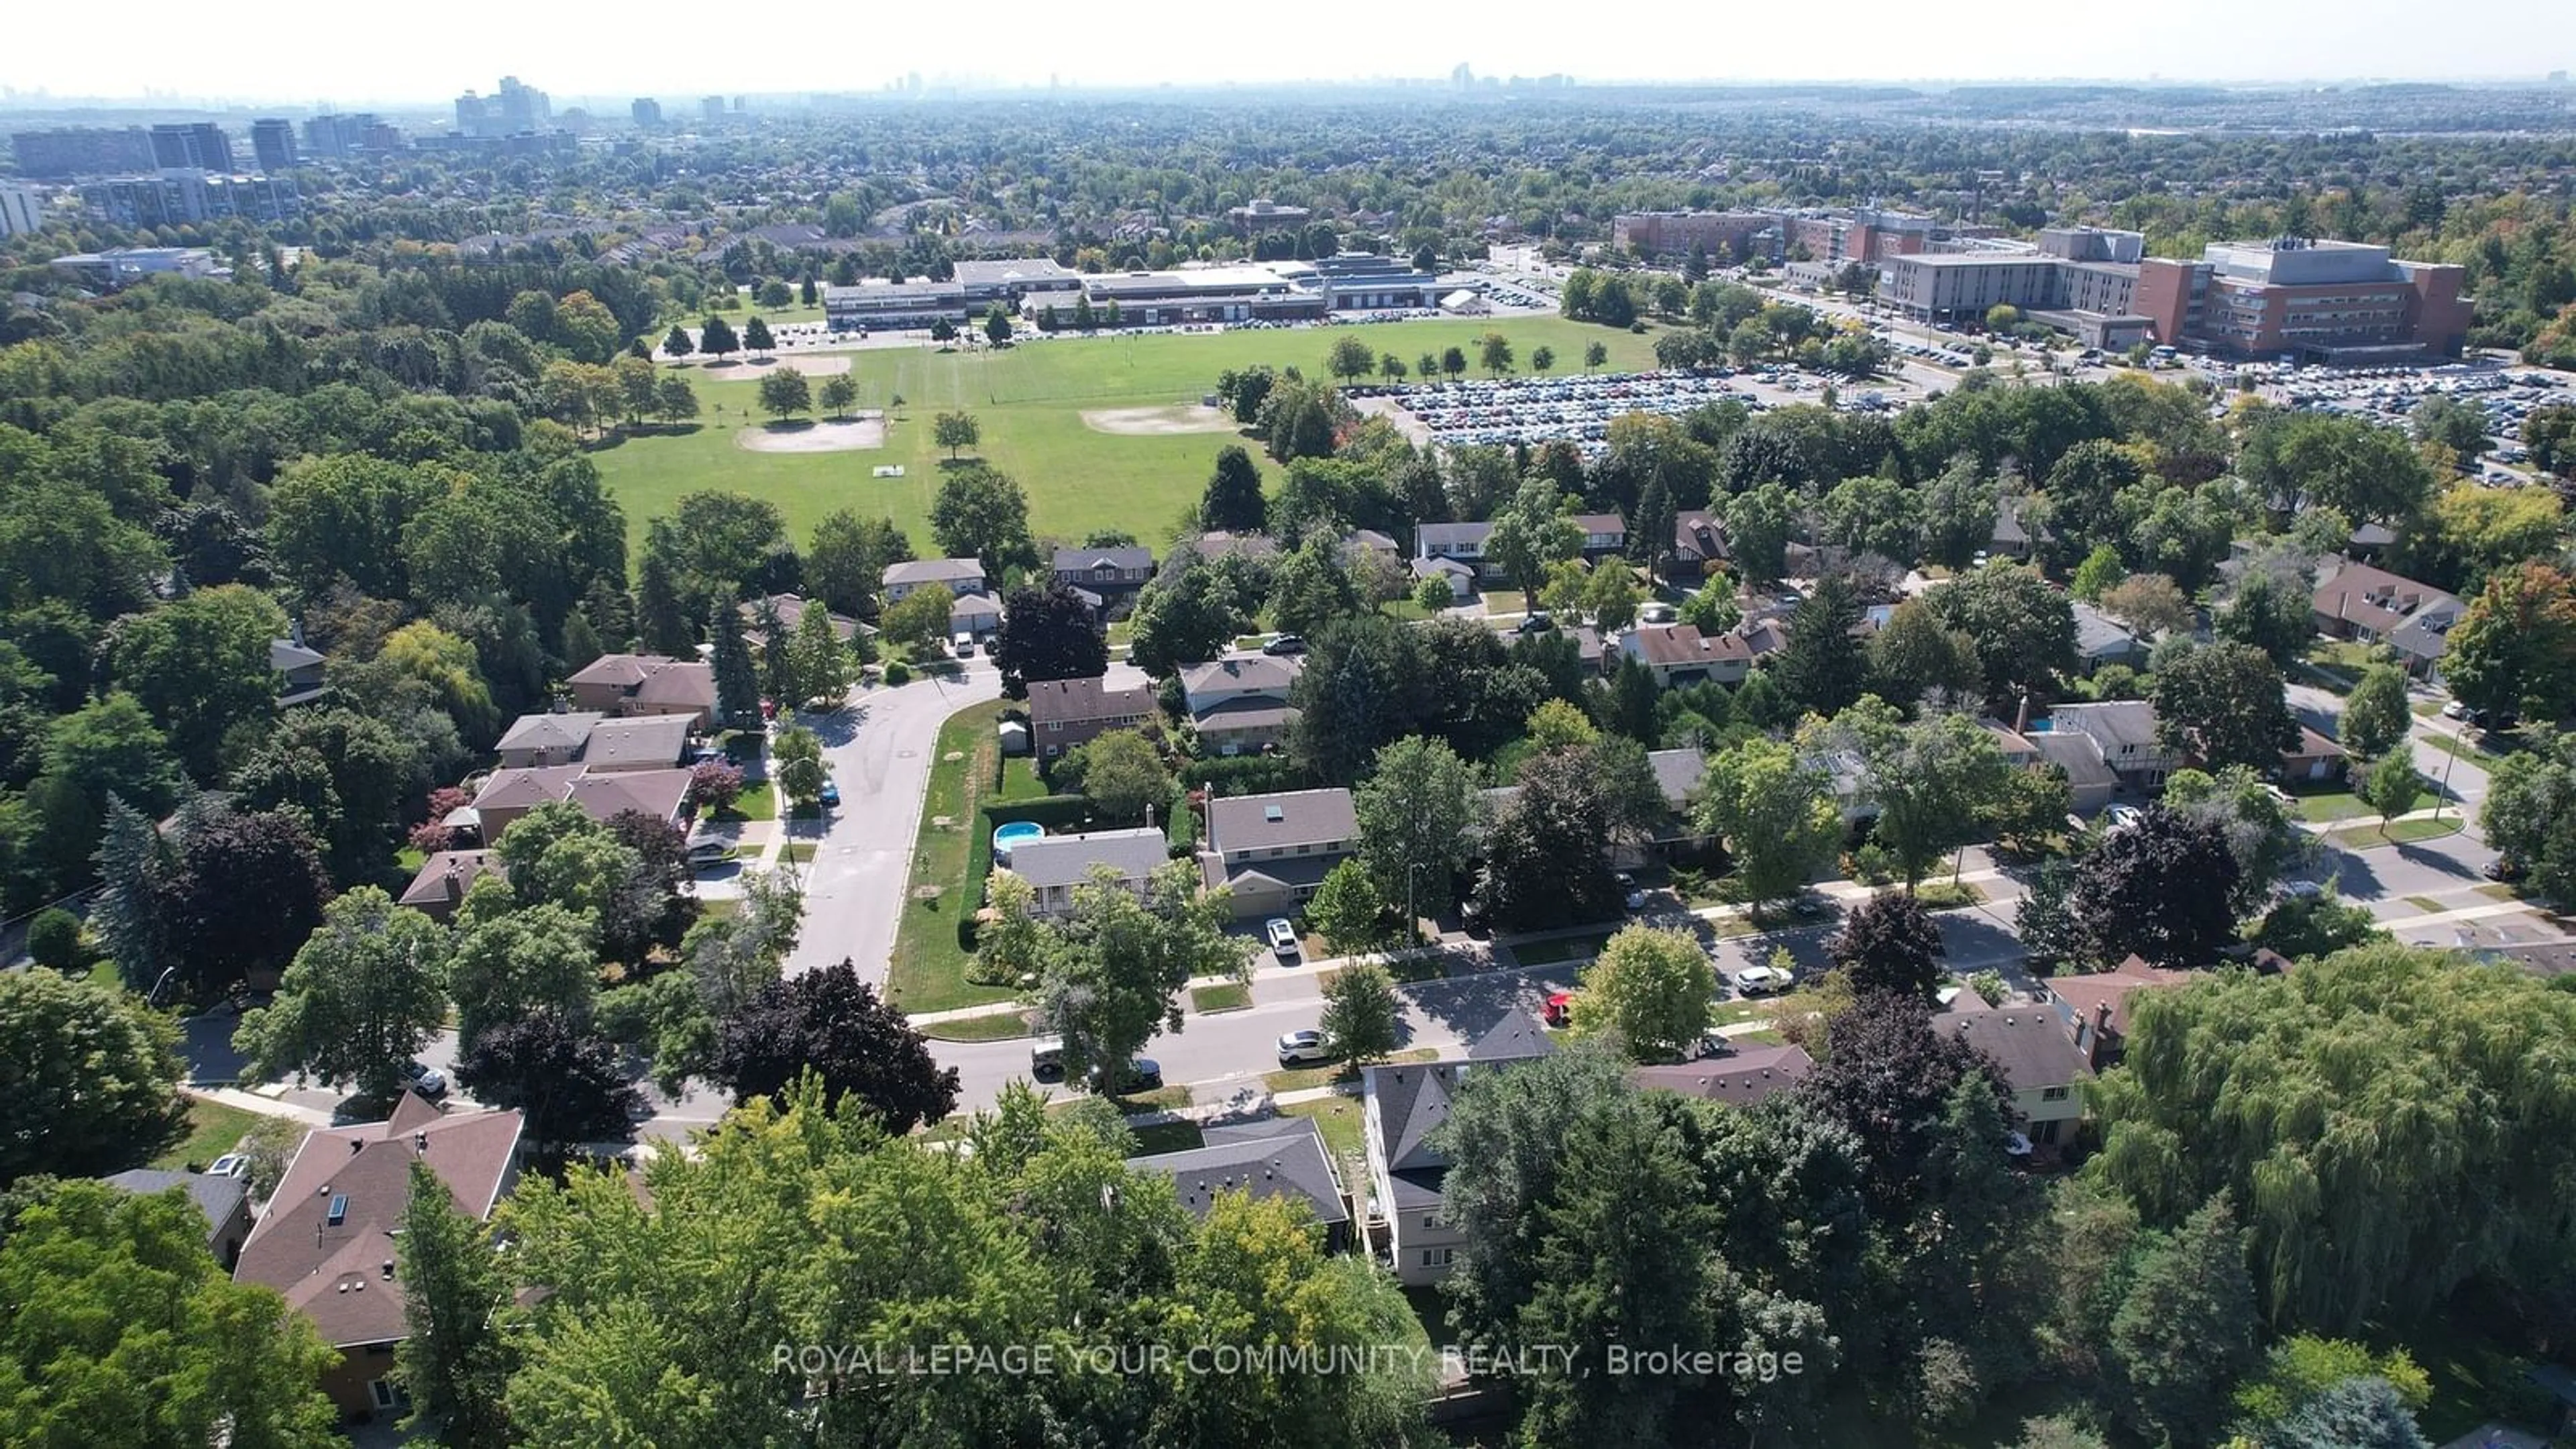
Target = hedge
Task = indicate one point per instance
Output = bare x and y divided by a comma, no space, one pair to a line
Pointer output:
1052,811
1247,774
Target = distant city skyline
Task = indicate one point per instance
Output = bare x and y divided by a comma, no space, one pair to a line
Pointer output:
161,52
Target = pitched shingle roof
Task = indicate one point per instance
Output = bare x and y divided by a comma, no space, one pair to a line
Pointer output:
1741,1077
1084,700
932,571
340,1274
1280,1158
1296,817
1068,860
2028,1043
553,730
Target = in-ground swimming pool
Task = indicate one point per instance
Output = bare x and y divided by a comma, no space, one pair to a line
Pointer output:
1012,834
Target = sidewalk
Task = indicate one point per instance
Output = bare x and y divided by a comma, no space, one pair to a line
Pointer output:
254,1102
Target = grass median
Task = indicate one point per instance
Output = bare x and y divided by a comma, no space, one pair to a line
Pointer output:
928,971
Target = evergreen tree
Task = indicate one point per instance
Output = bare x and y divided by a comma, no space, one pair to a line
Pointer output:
737,681
2186,1332
664,624
137,871
1822,666
676,343
1233,499
755,336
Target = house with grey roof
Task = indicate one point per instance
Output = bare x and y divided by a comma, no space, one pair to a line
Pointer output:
1603,534
439,886
957,575
1272,850
2101,640
2037,1058
2090,780
1104,571
1463,543
1678,654
1054,864
1282,1157
2362,601
225,1201
298,669
1401,1107
595,741
2126,731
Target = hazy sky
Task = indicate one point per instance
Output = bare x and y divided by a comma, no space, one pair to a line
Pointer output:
291,54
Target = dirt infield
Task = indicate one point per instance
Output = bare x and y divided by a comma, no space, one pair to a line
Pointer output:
812,364
867,430
1157,422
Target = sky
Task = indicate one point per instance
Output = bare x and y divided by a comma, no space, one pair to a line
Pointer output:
679,49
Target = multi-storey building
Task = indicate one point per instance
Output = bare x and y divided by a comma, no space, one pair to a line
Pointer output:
2294,296
201,145
67,151
20,211
272,144
1722,235
179,196
340,137
646,112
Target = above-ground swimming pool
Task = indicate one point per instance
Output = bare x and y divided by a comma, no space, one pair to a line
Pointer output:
1012,834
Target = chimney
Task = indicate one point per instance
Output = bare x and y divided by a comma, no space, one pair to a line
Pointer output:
420,1144
2021,716
355,1147
389,1270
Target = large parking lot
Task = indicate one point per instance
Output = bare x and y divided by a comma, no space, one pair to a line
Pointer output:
1579,410
2391,394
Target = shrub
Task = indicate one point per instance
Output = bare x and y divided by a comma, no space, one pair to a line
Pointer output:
898,672
54,939
1245,774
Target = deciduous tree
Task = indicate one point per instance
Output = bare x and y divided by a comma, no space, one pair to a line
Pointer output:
2223,705
361,998
955,431
982,514
1890,943
1115,976
2515,648
1649,992
94,1077
2162,888
1776,814
834,1025
1361,1013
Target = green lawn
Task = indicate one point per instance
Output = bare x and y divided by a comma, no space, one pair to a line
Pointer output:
798,852
2331,805
1020,779
1168,1137
1001,1026
2454,745
2364,837
1338,1118
758,801
213,1130
1030,401
1944,895
1301,1079
928,970
1231,996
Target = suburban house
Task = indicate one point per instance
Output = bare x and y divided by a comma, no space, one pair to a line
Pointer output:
1681,654
1740,1078
1461,542
1400,1107
298,669
586,737
956,575
2314,757
2125,729
2019,750
1677,773
439,887
790,609
1064,713
2011,538
2090,780
2361,601
632,684
2094,1005
1216,543
1280,1157
976,614
2099,640
1699,540
1369,540
1054,864
2040,1062
1239,704
1462,577
1104,571
225,1201
1273,850
1603,534
508,794
327,1238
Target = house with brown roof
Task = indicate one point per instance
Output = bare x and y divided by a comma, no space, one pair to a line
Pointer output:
596,741
1740,1078
1680,654
326,1240
2315,757
439,886
1273,850
2362,601
1603,534
633,684
1699,542
2038,1060
2094,1005
1104,571
508,794
1064,713
790,609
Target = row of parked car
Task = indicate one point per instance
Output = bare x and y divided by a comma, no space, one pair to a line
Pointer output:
1565,409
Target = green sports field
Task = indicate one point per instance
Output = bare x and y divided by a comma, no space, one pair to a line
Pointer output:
1030,400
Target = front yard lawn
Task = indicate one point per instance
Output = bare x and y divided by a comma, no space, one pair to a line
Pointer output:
928,970
758,801
1303,1079
2330,805
2365,837
1338,1118
213,1130
1562,948
1229,996
1000,1026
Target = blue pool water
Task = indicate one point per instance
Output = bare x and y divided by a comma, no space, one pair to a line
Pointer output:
1012,834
